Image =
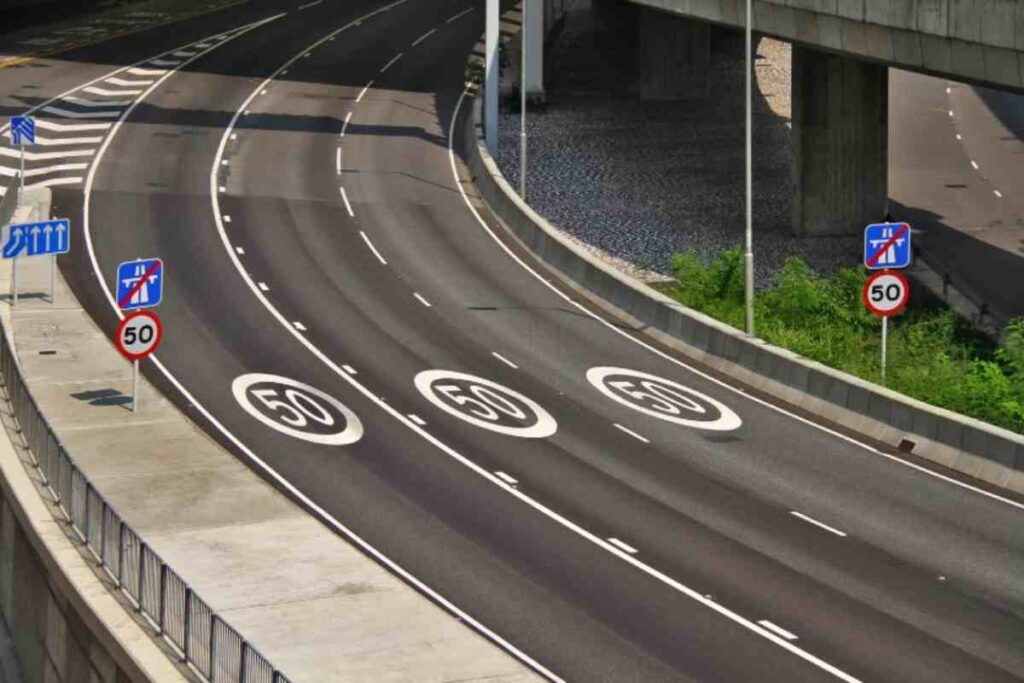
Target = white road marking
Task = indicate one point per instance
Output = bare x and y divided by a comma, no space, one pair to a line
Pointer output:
349,369
421,299
46,170
67,113
459,15
82,102
948,90
997,193
348,207
777,629
348,117
974,164
373,248
310,4
629,431
263,92
71,127
364,90
54,181
247,112
263,286
146,72
226,218
234,136
388,65
299,326
223,189
424,37
302,398
959,137
308,55
951,113
240,251
93,90
622,545
165,62
417,419
113,80
507,478
676,361
45,156
504,360
337,161
58,142
815,522
184,53
224,162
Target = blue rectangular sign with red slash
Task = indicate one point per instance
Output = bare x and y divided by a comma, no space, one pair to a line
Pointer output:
140,283
887,245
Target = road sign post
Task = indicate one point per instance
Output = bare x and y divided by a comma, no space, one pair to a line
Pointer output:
36,239
138,335
886,293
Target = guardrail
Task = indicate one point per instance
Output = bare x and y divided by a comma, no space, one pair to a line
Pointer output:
202,638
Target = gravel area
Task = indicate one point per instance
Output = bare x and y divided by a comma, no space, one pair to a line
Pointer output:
636,181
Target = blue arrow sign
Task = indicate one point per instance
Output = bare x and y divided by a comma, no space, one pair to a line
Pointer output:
38,239
23,130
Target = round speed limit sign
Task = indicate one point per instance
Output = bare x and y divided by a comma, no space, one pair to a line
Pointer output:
138,335
886,293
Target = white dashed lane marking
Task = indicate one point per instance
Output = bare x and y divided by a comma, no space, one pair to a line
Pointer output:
459,15
629,431
508,479
365,89
372,248
424,37
389,64
504,360
777,630
815,522
417,419
622,545
421,299
348,207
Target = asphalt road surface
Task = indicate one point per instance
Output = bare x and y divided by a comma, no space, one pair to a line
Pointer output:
341,316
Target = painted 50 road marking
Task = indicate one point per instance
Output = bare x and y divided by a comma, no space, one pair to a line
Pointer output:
296,409
663,399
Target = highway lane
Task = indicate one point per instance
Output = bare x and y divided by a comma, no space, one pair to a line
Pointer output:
712,510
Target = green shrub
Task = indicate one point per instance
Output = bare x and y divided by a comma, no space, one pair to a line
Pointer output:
934,355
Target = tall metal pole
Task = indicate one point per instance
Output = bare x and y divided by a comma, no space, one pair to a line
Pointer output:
749,253
491,75
21,181
522,107
135,385
885,345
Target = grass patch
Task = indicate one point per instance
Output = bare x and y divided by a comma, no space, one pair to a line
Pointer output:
934,355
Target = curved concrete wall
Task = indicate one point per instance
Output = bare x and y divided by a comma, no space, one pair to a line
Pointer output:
981,450
969,40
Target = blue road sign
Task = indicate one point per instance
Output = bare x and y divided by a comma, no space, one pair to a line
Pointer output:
887,245
140,283
37,239
23,130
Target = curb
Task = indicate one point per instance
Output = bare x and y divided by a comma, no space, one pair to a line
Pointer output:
992,454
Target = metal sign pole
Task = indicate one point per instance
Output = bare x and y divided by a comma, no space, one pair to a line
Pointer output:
14,281
21,181
135,385
491,75
522,108
749,179
53,277
885,344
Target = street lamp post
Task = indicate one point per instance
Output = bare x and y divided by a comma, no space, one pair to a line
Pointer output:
522,105
749,252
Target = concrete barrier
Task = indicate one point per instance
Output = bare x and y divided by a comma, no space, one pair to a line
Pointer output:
989,453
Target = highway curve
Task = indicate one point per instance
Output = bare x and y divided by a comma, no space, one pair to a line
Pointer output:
598,507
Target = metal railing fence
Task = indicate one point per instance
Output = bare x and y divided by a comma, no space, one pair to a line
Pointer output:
203,639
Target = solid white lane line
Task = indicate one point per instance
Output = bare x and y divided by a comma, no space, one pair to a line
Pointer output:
815,522
113,80
337,161
424,37
67,113
508,479
504,360
675,361
459,15
349,369
348,207
629,431
92,89
373,248
344,126
622,545
777,629
310,4
417,419
974,164
299,326
421,299
71,127
364,90
263,286
997,193
388,65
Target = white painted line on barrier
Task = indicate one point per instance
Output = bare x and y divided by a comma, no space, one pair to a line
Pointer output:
393,60
373,248
507,478
622,545
815,522
777,629
504,360
417,419
348,207
424,37
629,431
421,299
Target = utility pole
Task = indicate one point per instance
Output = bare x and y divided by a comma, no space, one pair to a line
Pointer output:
491,75
522,106
749,252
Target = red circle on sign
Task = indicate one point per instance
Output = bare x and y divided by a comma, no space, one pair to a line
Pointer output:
886,307
131,345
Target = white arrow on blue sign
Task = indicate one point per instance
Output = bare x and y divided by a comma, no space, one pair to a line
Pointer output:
38,239
23,130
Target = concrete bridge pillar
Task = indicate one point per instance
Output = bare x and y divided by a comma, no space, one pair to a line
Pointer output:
840,142
674,56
